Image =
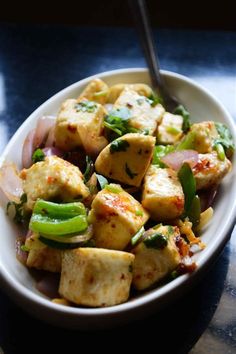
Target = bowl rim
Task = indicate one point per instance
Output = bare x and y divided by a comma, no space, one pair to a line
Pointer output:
15,287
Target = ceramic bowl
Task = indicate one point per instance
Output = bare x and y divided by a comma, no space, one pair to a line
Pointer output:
16,279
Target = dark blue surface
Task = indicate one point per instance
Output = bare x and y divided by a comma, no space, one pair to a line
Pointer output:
35,63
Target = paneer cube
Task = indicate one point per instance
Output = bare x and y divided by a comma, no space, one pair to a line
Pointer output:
205,134
53,178
170,130
116,216
143,116
96,277
41,256
127,158
96,90
74,118
152,262
209,170
115,90
163,195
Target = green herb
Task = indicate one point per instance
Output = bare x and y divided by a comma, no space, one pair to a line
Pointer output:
137,236
55,219
38,155
188,143
157,241
113,188
138,213
188,183
58,227
173,130
220,151
118,145
118,121
131,268
226,139
155,99
86,106
159,152
170,229
129,172
20,215
145,131
173,275
140,101
181,110
89,168
102,181
157,226
24,248
194,211
55,210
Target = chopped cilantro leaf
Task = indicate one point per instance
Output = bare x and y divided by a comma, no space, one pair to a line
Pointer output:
86,106
38,155
129,172
118,145
226,139
186,117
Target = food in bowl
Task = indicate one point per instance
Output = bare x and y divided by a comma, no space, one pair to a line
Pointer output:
114,192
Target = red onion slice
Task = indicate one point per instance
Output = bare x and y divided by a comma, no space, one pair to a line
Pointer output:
10,182
28,149
43,127
51,137
52,151
175,159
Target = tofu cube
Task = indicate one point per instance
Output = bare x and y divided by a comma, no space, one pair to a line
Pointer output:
127,158
152,264
116,216
115,90
96,90
41,256
96,277
53,178
74,118
143,115
170,130
209,171
163,195
205,134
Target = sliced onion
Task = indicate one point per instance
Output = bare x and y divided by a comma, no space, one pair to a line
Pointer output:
51,137
44,124
28,149
10,182
52,151
175,159
92,144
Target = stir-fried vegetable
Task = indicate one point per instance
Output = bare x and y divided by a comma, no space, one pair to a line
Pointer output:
58,219
186,117
159,152
226,140
118,121
192,206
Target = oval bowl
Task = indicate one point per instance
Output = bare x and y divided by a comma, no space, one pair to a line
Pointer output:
16,279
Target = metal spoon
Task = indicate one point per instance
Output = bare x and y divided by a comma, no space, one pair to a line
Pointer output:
141,19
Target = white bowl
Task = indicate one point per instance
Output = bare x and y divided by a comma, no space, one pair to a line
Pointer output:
16,279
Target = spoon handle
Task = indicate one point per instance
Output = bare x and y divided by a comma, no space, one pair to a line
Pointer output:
143,27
